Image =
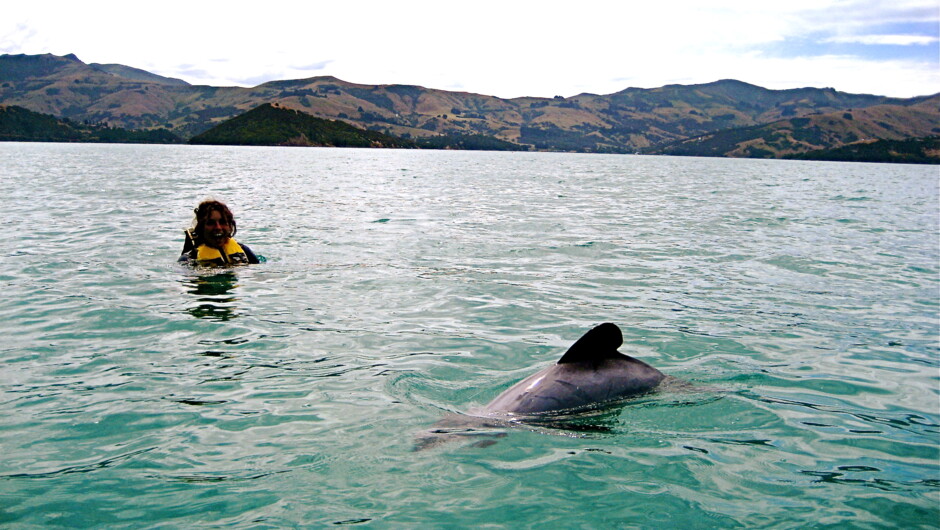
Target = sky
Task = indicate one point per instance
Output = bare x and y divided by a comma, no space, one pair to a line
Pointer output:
502,48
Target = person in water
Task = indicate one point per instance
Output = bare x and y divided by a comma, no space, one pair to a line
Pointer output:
211,241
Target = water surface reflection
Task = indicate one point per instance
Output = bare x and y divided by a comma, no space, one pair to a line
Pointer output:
214,295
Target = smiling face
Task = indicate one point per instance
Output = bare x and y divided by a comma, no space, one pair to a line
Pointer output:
216,230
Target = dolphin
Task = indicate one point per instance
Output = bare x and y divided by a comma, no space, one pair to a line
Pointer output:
591,373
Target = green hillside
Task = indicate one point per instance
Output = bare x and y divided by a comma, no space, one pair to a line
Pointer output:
469,142
722,118
22,125
274,125
815,132
912,151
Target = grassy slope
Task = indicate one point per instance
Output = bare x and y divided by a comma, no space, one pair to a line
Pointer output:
622,122
274,125
19,124
817,132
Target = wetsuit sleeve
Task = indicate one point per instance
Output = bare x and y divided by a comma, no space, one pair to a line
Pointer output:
251,255
188,247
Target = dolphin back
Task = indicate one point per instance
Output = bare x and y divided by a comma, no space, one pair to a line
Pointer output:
591,372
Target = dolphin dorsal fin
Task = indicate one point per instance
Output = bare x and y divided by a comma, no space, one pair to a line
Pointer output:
600,342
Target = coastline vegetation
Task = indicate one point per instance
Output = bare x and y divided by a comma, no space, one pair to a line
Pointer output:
273,125
18,124
910,151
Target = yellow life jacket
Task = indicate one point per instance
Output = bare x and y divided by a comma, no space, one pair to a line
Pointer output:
232,254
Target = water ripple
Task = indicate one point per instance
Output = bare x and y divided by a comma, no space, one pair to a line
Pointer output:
797,300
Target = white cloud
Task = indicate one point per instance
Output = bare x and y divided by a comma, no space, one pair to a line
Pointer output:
892,40
502,48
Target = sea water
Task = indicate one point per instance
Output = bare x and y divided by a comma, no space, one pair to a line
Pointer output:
798,300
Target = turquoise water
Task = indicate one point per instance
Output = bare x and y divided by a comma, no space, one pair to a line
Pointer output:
800,299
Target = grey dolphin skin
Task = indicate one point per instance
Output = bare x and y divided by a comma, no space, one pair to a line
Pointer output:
591,372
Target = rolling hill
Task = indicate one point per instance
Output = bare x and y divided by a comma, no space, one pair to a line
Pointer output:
719,116
274,125
816,132
23,125
910,151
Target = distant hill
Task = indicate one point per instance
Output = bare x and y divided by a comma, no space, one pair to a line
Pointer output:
468,142
136,74
816,132
912,151
631,120
273,125
19,124
22,67
23,125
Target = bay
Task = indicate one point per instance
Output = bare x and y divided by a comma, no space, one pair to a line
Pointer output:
800,299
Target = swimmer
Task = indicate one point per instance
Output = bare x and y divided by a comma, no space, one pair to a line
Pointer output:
210,241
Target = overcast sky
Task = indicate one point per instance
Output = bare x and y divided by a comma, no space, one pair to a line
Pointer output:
504,48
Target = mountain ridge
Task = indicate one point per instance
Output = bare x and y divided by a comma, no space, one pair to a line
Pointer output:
633,119
815,132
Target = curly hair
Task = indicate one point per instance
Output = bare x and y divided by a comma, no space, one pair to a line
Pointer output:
204,210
